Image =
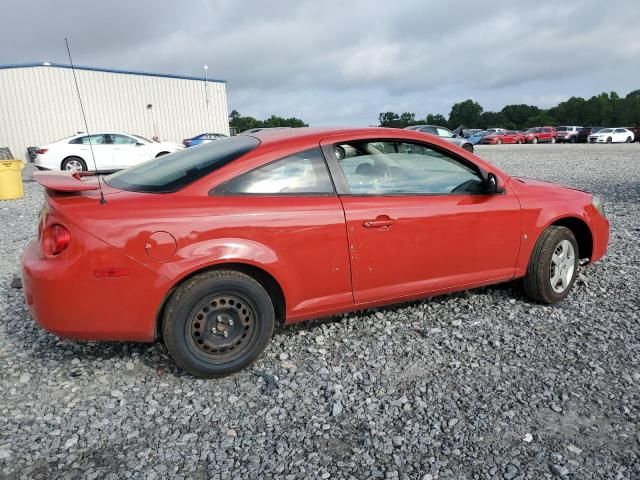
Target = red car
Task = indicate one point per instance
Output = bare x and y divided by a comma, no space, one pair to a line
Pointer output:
541,134
208,247
499,138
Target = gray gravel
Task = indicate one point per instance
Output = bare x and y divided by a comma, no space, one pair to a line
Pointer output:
481,384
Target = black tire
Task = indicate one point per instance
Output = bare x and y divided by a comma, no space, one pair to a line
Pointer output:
161,154
628,140
572,139
537,281
69,160
609,140
468,147
196,311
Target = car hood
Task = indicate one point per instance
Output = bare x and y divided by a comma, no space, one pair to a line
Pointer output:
532,182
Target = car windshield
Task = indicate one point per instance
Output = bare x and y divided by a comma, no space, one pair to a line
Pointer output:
605,130
562,129
143,139
174,171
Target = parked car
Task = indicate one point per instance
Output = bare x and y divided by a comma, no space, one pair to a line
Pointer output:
636,133
567,134
612,135
208,248
100,151
203,138
584,132
445,134
541,134
471,131
475,138
498,138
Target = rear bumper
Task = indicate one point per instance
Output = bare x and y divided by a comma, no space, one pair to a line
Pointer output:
65,297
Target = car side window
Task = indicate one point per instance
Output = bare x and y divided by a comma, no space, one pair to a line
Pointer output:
443,132
122,140
89,139
620,130
430,130
302,173
395,168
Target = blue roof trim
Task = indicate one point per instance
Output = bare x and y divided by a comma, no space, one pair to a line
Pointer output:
108,70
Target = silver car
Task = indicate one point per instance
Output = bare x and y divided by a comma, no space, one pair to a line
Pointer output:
445,134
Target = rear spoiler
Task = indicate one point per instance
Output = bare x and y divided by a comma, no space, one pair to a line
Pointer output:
66,181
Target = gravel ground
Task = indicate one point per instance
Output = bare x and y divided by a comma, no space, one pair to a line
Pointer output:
481,384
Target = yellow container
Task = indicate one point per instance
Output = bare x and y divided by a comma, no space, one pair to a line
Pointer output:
11,179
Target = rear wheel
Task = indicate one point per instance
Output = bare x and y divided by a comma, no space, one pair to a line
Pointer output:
628,140
218,323
553,266
74,164
468,147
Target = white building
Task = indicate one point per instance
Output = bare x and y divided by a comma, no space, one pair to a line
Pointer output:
39,104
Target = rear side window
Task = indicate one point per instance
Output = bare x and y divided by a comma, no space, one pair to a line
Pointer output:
303,173
172,172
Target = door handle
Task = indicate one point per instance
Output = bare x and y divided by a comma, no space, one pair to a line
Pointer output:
381,221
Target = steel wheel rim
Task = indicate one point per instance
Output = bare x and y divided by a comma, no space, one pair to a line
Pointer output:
73,166
221,327
563,264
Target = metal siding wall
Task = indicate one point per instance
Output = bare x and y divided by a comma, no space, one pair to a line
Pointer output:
39,105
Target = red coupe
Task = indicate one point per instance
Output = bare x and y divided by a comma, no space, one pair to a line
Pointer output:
501,137
208,247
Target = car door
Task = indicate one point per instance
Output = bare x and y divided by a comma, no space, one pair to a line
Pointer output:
620,135
127,151
418,222
94,150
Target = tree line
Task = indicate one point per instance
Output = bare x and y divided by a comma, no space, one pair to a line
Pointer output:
606,110
241,123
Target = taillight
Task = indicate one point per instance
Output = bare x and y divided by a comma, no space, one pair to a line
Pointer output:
55,240
42,151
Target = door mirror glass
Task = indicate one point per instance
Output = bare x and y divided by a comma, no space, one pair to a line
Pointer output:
492,185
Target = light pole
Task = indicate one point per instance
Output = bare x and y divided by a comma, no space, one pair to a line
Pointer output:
206,94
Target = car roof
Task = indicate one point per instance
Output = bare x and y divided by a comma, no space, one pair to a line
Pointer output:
318,133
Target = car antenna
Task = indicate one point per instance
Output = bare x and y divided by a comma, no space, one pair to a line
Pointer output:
103,201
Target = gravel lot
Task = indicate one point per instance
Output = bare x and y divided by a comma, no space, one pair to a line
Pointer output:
481,384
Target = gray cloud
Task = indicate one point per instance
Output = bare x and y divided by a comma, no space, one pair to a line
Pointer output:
337,62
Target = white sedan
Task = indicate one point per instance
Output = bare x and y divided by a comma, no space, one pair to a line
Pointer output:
612,135
112,151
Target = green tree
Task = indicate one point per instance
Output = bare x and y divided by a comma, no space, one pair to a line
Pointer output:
436,119
467,113
241,123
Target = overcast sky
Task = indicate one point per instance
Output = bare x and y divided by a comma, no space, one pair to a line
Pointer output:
342,62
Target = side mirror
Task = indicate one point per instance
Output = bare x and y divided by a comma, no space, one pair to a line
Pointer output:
492,186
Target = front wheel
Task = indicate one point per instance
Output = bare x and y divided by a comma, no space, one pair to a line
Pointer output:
609,140
468,147
553,139
553,266
535,140
519,142
218,323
